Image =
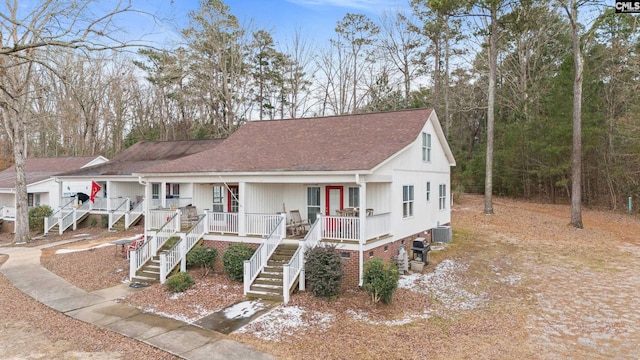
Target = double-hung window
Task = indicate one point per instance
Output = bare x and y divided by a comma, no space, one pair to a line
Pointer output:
407,201
218,199
313,203
426,147
442,197
155,191
354,197
428,189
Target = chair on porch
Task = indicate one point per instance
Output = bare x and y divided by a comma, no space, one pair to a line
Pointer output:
298,225
189,215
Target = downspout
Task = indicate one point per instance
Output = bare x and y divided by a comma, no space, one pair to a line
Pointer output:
59,192
146,205
360,242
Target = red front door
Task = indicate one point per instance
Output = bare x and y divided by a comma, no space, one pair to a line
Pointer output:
333,200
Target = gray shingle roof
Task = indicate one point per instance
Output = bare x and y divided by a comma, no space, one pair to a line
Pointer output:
145,154
334,143
38,169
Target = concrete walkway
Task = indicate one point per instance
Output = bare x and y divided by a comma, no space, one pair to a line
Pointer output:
99,308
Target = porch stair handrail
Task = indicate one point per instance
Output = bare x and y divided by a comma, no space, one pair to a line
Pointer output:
254,266
117,213
139,257
56,217
131,216
169,259
295,266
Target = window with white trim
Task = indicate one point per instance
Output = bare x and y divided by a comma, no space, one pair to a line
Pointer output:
442,197
313,203
155,191
354,197
218,199
428,191
426,147
407,201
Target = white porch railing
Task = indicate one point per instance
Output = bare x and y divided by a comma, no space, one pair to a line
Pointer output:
254,266
341,228
377,225
7,212
295,266
118,212
100,204
225,223
157,218
57,216
178,202
156,204
261,224
178,253
137,258
131,216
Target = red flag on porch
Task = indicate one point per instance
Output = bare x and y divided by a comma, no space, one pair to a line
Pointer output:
95,187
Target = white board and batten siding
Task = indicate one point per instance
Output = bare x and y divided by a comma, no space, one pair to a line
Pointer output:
407,168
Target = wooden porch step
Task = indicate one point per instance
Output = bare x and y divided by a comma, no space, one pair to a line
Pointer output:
265,296
268,281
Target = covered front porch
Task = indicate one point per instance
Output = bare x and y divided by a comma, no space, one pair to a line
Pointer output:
251,209
233,226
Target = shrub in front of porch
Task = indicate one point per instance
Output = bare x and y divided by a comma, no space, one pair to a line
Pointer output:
203,256
323,271
380,280
37,215
233,260
179,282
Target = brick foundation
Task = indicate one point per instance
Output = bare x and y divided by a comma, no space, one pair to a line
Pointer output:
349,257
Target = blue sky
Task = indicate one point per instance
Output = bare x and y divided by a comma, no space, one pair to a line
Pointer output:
316,19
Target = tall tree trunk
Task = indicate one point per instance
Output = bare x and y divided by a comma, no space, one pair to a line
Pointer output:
493,59
20,157
576,154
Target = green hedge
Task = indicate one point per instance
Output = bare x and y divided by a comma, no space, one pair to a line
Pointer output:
380,280
179,282
233,260
203,256
37,215
323,271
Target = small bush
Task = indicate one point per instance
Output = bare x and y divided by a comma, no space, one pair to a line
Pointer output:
380,280
203,256
233,260
37,215
93,222
323,271
104,221
179,282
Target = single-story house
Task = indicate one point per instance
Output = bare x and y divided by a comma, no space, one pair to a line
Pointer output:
42,188
122,194
369,183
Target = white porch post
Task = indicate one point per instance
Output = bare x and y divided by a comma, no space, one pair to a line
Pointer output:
183,252
147,206
242,221
60,189
362,220
163,194
106,193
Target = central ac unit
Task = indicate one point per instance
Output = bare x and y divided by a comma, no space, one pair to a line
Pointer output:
441,234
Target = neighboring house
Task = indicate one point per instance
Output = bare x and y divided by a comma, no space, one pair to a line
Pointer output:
42,188
121,192
369,183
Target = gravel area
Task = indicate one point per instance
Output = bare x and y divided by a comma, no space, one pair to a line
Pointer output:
518,284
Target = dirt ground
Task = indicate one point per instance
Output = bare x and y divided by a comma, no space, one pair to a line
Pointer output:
520,284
